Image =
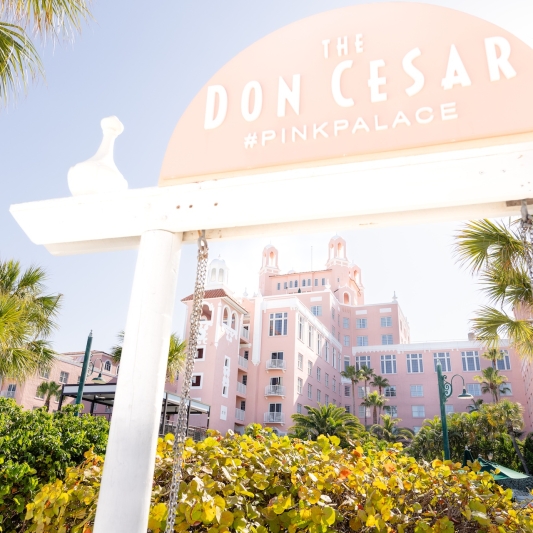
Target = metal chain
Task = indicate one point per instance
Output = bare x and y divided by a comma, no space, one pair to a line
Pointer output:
181,425
526,231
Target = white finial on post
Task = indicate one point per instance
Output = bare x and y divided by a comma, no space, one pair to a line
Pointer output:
99,174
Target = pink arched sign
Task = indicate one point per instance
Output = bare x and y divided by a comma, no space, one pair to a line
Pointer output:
356,83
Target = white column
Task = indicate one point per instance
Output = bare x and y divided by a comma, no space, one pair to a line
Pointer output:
124,500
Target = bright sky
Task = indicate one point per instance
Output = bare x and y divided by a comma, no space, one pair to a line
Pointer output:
145,65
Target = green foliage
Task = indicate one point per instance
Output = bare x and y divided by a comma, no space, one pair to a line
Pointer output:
47,389
253,484
328,420
37,447
390,432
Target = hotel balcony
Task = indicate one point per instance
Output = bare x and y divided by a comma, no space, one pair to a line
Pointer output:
276,364
245,334
243,363
241,389
274,390
239,415
275,418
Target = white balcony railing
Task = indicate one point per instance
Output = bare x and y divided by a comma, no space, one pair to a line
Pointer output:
239,414
276,364
274,390
245,332
243,363
241,387
8,393
275,418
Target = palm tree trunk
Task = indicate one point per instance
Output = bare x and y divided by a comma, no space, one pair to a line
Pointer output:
518,452
353,398
47,402
366,425
375,415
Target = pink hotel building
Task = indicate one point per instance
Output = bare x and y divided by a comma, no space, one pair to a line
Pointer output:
264,358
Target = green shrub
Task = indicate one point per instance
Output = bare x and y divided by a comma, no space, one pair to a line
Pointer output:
37,447
260,483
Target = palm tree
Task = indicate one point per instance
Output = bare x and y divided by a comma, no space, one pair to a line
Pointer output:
475,405
495,251
177,355
375,401
366,375
508,414
491,382
27,319
49,389
390,431
50,20
493,356
354,376
328,420
380,382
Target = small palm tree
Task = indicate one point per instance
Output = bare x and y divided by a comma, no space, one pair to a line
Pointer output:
475,405
493,355
375,401
366,375
380,382
47,389
328,420
354,376
390,431
177,355
495,251
491,382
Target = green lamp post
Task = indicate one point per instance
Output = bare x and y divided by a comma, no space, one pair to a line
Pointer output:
445,391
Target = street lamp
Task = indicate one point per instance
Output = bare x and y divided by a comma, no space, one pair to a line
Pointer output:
445,391
98,380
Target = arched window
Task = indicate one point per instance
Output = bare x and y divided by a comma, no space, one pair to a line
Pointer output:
271,259
346,298
213,274
220,275
233,321
225,316
107,366
339,250
206,313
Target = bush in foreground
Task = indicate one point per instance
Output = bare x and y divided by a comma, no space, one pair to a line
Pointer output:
260,483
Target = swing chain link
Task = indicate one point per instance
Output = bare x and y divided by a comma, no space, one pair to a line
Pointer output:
180,434
526,231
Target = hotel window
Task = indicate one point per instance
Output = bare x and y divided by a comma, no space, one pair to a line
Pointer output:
300,361
414,363
284,284
299,408
345,323
386,321
362,341
39,395
390,392
419,411
273,355
388,364
279,286
316,282
45,374
309,283
361,392
225,391
474,389
347,390
360,323
196,380
300,385
505,362
303,283
506,389
301,327
316,310
296,284
416,429
346,340
323,281
339,361
309,368
318,373
326,380
334,362
309,391
326,351
326,399
362,412
333,330
346,362
391,410
199,353
318,395
290,284
470,361
361,361
334,385
310,337
107,366
318,343
448,409
278,324
445,362
63,377
417,391
386,339
347,408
